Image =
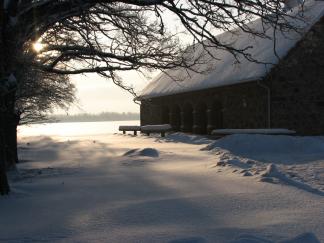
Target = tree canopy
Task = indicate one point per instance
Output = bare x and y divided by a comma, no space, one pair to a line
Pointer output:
40,93
80,36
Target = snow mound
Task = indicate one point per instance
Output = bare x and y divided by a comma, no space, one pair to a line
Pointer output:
303,238
146,152
271,171
282,148
250,239
189,240
290,160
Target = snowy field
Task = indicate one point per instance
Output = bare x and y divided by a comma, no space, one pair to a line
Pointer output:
76,184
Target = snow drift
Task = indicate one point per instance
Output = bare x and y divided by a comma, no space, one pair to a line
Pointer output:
280,148
296,161
146,152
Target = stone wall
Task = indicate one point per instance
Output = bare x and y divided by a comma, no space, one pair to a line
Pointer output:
236,106
297,86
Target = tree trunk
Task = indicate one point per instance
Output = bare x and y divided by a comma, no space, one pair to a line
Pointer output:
14,137
10,141
8,70
4,185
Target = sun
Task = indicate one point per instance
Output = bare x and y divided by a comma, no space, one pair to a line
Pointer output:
38,46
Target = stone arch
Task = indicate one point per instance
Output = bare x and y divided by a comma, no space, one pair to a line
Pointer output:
187,118
200,118
165,118
215,116
175,117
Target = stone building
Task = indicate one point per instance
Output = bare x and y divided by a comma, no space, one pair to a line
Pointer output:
288,93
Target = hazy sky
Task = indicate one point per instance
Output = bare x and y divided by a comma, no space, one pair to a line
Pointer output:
96,94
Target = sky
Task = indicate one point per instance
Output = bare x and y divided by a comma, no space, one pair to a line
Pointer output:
96,94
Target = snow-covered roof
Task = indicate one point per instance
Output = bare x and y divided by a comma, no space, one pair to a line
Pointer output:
226,70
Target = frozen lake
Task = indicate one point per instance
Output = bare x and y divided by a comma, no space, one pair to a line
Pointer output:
73,128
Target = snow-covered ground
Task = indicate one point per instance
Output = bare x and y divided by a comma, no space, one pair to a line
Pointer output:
181,188
292,160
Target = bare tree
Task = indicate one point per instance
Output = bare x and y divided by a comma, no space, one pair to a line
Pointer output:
39,93
107,36
36,96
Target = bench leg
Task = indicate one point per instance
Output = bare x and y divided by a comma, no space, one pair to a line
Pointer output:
163,134
135,133
124,132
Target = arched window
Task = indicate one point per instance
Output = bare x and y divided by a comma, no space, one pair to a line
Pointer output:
215,116
175,118
165,115
187,119
200,117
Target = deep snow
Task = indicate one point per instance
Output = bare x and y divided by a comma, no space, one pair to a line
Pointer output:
121,188
293,160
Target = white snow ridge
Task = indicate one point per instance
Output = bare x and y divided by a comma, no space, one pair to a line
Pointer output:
147,152
293,160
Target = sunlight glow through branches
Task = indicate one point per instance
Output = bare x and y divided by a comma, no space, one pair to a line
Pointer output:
38,46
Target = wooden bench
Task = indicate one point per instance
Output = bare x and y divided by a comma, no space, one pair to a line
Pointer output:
156,129
134,129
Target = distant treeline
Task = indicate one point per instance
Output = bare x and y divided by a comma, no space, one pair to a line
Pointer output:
104,116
